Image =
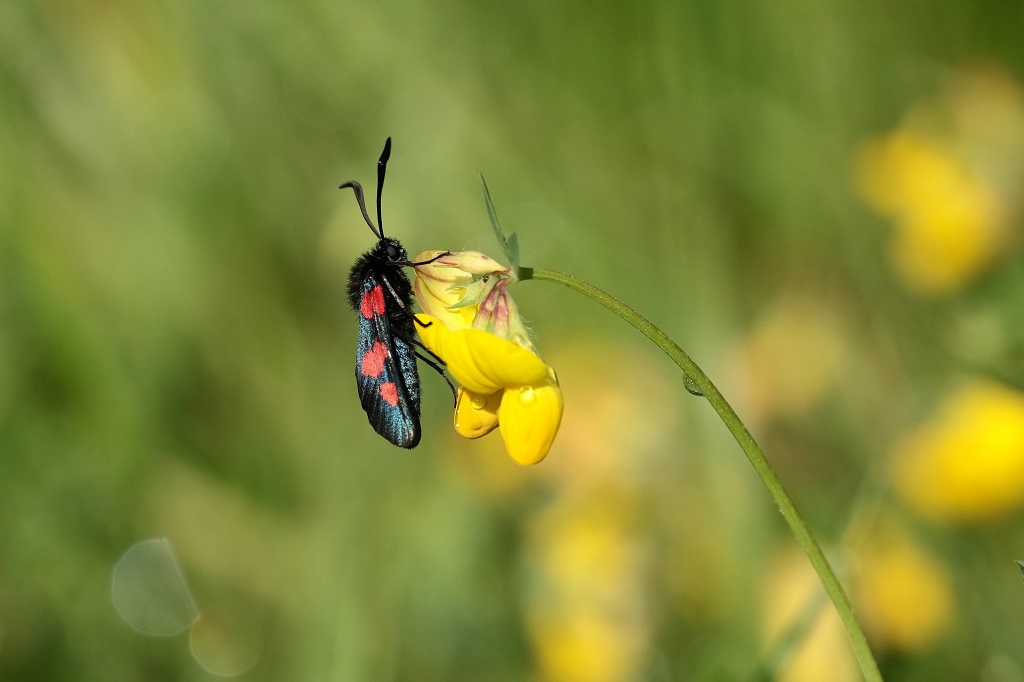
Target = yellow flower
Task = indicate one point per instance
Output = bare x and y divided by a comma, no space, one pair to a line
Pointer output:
968,463
500,383
473,325
484,344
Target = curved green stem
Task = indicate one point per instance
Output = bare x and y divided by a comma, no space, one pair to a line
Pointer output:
698,380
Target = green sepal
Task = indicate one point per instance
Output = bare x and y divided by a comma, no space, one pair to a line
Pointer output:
474,294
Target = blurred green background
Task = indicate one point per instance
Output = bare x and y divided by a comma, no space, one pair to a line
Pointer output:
819,201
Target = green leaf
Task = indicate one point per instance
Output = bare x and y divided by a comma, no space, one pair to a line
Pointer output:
510,246
512,251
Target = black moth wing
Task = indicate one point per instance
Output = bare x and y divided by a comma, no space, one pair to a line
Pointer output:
386,373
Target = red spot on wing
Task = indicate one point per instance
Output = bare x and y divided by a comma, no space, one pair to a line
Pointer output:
372,303
372,363
389,392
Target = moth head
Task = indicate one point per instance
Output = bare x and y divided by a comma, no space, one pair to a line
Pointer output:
392,249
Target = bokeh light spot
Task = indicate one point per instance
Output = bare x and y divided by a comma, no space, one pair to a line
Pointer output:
150,592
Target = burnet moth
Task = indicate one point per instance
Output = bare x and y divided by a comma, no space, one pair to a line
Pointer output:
381,295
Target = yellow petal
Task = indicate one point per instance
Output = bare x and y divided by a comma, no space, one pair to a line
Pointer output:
529,417
439,274
438,285
485,363
436,305
433,333
476,415
482,362
473,262
443,283
424,256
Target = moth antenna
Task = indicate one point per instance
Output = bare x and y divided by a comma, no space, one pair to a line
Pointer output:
382,167
358,189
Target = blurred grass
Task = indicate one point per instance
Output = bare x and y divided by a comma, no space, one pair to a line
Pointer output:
176,354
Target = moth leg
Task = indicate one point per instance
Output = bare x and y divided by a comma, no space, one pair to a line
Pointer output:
437,368
437,358
401,306
430,361
394,294
410,264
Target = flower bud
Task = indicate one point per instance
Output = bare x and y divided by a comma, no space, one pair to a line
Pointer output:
448,288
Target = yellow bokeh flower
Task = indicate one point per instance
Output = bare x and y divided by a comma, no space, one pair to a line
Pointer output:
587,610
791,594
949,180
903,593
948,220
967,464
472,324
793,357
